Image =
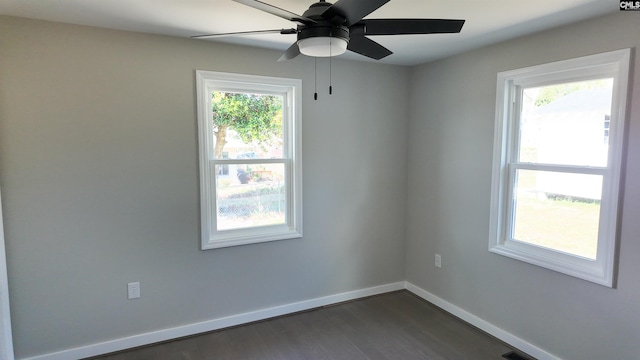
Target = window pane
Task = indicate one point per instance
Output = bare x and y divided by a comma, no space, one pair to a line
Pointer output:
559,211
566,124
247,126
250,196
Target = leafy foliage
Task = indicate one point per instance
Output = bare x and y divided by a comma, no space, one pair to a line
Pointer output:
255,118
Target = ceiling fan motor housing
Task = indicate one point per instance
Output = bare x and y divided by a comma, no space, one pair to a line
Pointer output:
322,27
328,30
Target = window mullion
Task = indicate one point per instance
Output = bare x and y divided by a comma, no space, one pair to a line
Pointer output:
590,170
246,161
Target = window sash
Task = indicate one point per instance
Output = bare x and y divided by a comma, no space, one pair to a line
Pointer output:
289,204
509,234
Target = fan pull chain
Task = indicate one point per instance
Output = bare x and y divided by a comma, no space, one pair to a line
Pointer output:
315,78
330,57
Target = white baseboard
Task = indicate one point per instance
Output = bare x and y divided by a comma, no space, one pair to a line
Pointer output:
483,325
224,322
214,324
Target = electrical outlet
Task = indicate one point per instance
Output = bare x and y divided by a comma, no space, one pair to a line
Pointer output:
133,290
438,261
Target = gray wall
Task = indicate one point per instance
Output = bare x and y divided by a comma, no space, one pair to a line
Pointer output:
98,168
450,153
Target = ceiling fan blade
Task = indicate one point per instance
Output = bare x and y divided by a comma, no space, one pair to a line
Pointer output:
351,10
291,52
257,32
274,10
409,26
368,47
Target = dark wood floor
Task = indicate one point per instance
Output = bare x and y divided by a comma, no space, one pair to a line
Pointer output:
398,326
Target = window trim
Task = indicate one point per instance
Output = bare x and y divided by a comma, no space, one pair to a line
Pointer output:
611,64
208,81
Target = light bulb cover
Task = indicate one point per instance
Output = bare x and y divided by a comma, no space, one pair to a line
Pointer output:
322,46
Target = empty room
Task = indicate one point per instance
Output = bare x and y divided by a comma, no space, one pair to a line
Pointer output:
243,179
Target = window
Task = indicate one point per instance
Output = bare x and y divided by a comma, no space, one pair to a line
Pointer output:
250,158
555,187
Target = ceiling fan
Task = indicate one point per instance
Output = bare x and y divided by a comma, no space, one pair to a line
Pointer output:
326,29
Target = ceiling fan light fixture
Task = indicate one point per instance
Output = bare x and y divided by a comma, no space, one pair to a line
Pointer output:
322,46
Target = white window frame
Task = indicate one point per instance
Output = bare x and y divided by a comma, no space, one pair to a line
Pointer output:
509,85
291,89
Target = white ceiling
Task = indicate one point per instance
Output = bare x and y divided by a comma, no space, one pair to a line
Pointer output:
487,21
